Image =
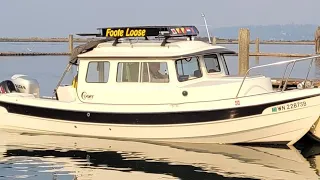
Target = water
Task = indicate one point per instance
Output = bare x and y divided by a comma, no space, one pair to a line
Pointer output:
62,157
25,156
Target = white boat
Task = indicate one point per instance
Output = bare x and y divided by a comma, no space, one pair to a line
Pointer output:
164,91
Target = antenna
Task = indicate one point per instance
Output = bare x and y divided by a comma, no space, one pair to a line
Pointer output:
205,22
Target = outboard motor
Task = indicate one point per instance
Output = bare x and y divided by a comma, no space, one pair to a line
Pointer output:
24,84
7,86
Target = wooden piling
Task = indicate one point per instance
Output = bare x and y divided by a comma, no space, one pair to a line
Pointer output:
214,41
244,41
70,43
257,43
317,41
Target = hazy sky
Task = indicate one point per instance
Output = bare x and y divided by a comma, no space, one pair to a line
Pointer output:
58,18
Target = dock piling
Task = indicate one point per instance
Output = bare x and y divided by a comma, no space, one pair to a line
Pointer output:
244,41
257,43
70,43
317,40
214,41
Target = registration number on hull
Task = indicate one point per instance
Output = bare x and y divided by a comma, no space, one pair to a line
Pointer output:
289,106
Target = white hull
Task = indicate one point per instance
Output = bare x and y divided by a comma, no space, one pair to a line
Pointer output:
282,127
314,132
283,132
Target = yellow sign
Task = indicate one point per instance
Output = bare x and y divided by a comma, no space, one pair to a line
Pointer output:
125,33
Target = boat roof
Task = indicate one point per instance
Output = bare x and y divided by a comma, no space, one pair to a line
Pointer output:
156,48
174,50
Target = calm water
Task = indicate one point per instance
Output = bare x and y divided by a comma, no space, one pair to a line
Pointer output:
61,157
24,156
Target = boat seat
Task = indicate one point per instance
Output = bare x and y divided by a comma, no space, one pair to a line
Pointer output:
212,71
197,73
66,93
7,86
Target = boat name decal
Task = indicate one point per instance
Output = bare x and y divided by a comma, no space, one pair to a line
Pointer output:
289,106
127,32
85,96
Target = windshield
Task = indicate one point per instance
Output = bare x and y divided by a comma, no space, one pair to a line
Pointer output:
188,68
212,63
226,70
70,75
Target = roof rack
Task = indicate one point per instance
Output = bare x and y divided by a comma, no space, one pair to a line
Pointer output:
145,31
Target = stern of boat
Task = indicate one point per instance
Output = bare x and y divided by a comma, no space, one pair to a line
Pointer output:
20,84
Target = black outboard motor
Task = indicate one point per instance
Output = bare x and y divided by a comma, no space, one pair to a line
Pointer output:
7,86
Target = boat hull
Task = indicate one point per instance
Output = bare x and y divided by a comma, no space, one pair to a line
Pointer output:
314,132
285,127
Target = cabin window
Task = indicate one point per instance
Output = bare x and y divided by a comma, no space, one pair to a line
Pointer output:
225,65
98,72
212,63
154,72
188,68
128,72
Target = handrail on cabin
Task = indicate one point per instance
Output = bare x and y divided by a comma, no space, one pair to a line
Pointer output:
279,63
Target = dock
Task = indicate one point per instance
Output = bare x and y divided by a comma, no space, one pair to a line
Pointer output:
293,82
71,40
34,53
38,39
68,53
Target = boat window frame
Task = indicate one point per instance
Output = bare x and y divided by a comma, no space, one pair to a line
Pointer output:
140,64
199,66
205,64
226,69
97,61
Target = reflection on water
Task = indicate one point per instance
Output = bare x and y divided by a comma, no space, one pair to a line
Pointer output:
63,157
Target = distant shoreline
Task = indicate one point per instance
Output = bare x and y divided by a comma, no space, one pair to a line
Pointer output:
38,39
219,41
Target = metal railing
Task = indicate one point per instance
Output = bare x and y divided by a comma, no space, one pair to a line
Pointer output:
280,63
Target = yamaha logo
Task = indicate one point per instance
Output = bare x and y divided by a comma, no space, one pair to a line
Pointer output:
85,96
20,86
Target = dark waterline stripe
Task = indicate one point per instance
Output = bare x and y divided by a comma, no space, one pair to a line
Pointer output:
143,118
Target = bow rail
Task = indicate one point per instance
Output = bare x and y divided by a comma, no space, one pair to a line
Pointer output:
288,62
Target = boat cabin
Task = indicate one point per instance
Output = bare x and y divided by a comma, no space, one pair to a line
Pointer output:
154,71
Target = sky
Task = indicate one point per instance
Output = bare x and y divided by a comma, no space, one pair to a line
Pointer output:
58,18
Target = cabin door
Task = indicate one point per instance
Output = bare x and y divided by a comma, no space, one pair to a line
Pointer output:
93,81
